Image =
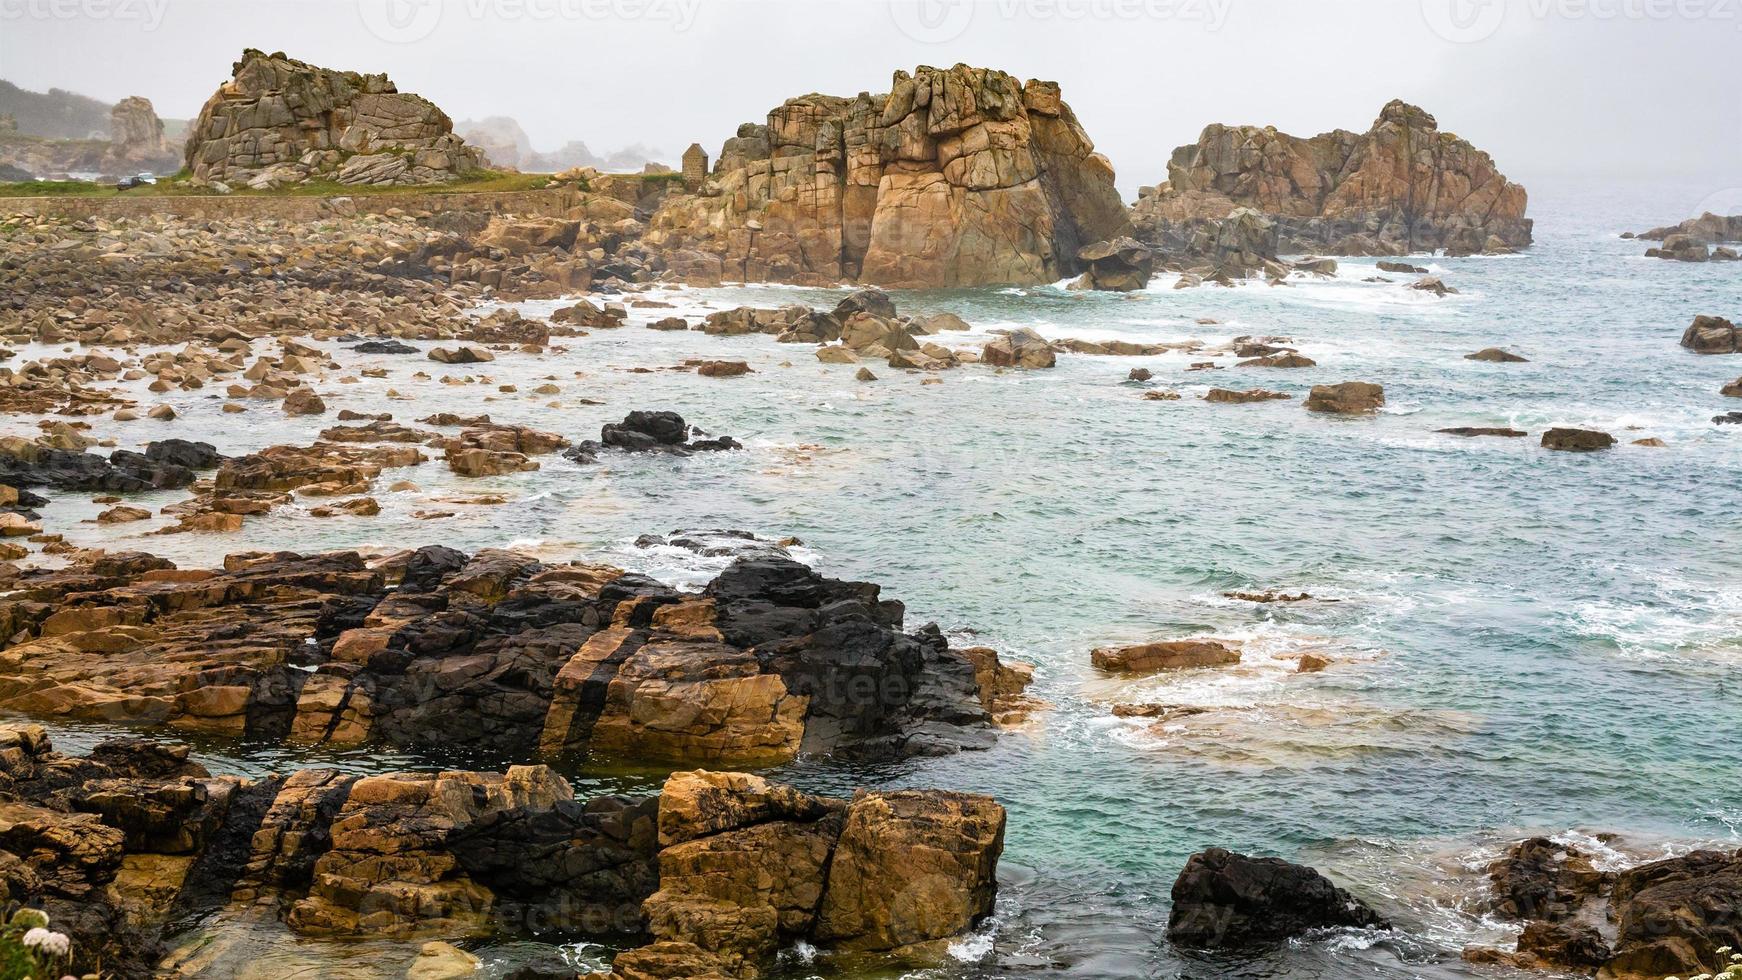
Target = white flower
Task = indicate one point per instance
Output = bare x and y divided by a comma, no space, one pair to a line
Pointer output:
51,943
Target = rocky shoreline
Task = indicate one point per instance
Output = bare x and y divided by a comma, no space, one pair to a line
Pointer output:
126,847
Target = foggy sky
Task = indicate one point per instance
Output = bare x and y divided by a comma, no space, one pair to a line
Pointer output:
1642,89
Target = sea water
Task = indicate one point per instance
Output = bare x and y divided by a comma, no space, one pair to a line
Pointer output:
1521,641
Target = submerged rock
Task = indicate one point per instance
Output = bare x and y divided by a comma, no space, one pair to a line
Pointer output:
1149,658
1481,430
1576,440
643,432
1496,355
1223,899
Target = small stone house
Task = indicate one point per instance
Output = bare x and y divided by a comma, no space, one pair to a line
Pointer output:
695,167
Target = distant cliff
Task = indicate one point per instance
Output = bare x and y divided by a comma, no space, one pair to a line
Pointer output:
506,144
956,177
1402,186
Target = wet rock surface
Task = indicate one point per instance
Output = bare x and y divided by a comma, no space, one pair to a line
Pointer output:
1223,899
494,650
649,432
120,845
1649,921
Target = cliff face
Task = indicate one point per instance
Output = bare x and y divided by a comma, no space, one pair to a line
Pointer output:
296,120
956,177
1402,186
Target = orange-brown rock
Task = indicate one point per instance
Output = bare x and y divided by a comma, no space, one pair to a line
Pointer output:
1150,658
1402,186
956,177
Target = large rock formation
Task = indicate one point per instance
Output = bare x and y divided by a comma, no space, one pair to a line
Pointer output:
278,120
495,650
136,136
1657,919
1403,186
117,846
957,177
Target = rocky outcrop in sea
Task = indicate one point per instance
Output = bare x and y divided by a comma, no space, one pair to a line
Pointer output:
495,650
955,177
1403,186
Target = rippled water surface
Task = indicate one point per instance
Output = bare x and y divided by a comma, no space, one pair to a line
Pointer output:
1521,640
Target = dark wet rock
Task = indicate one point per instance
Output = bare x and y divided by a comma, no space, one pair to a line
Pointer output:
1564,945
1230,396
1712,335
1432,284
1021,347
117,845
1223,899
1139,374
868,300
1284,359
717,543
494,650
1661,918
1119,264
1496,355
1732,390
1728,418
1576,440
1347,398
1385,265
183,453
384,347
1539,878
1483,430
29,464
643,431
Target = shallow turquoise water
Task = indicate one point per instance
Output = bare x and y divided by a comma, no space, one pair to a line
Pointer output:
1523,641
